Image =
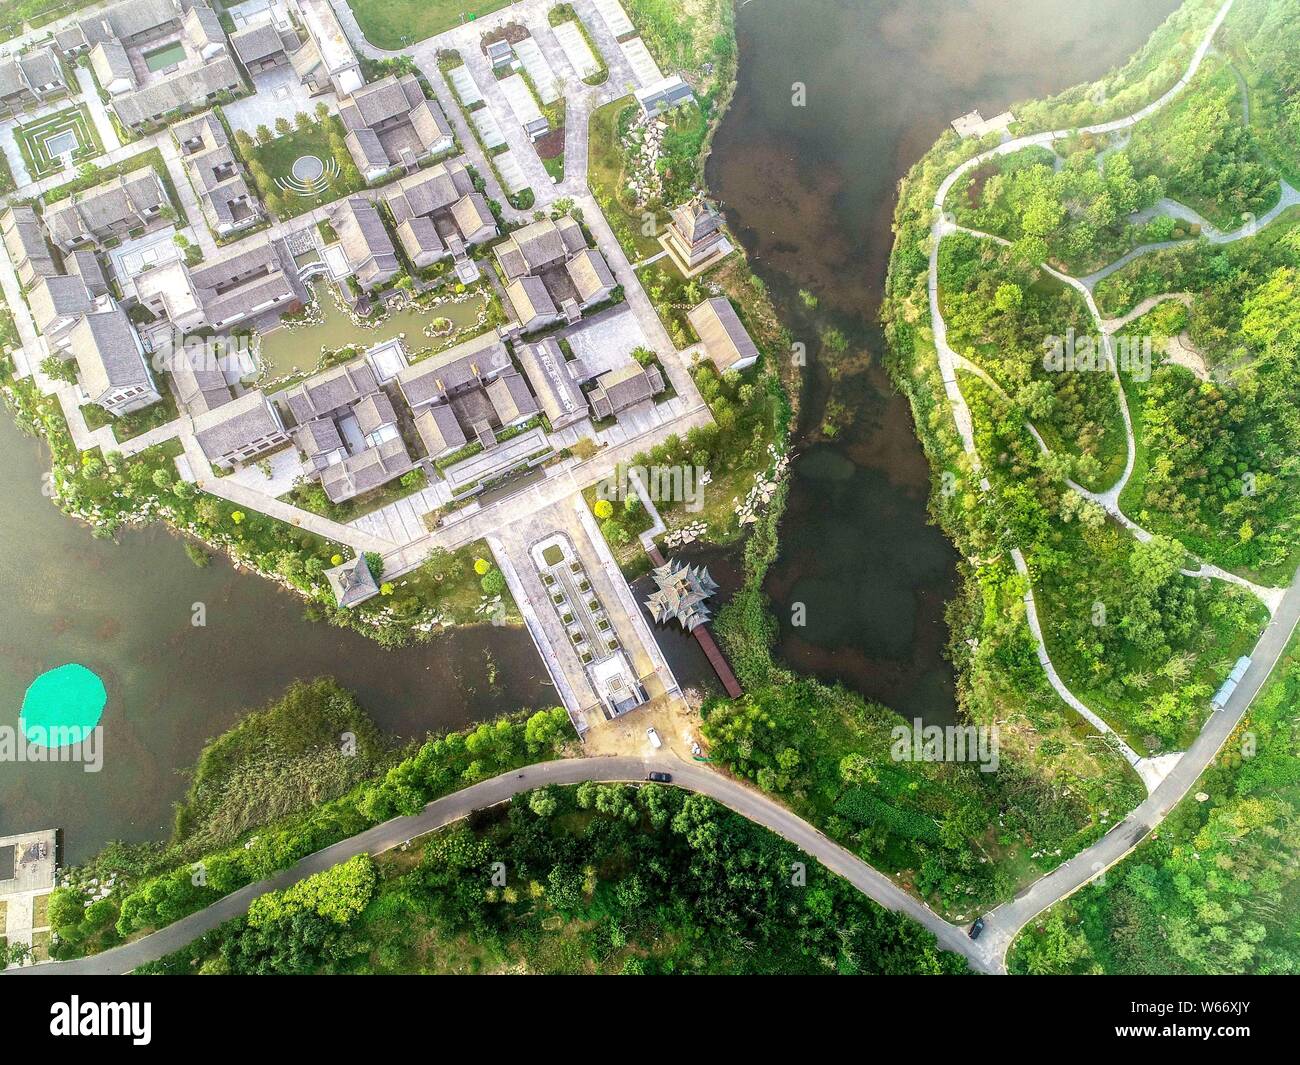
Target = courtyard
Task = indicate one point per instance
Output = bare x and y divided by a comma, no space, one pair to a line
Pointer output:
299,171
58,142
288,352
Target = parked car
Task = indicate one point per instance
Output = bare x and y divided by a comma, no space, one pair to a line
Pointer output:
653,736
661,778
976,928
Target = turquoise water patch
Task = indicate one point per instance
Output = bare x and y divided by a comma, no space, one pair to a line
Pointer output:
62,706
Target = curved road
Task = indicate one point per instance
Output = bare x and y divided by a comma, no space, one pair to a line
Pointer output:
735,796
989,953
1005,921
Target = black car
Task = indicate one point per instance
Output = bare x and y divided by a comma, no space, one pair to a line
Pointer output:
661,778
976,928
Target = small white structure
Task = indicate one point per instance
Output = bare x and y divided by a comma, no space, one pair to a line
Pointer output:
976,125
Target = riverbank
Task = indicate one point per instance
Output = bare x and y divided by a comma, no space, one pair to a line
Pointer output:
303,772
1001,485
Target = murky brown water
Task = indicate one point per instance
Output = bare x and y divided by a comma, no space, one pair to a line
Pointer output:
123,610
810,191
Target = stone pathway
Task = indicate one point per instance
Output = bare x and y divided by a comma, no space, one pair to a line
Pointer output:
98,112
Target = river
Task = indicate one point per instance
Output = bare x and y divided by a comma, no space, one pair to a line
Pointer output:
810,192
124,611
883,78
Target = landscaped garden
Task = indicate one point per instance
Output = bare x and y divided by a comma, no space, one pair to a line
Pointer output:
137,422
394,24
17,14
298,168
311,496
297,348
46,142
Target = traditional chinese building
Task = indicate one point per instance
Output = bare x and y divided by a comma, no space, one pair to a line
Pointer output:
681,594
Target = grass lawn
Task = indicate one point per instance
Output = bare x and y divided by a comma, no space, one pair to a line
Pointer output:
626,527
605,179
312,497
394,24
13,13
34,140
273,161
448,583
137,422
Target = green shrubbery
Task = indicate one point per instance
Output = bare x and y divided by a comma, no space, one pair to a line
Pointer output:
223,805
602,878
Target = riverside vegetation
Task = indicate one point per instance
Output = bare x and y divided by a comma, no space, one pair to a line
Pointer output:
307,770
601,878
1214,474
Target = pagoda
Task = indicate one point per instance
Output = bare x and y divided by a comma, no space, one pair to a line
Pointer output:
694,236
681,594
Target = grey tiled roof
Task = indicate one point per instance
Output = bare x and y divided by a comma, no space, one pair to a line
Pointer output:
128,18
427,191
439,429
318,440
477,359
122,200
420,237
364,238
381,101
695,219
366,470
200,388
352,582
373,412
57,296
539,245
25,241
202,27
366,148
722,332
556,389
205,127
257,42
590,275
473,215
510,398
187,88
25,72
109,61
619,389
85,264
429,123
227,429
530,300
330,390
108,353
241,282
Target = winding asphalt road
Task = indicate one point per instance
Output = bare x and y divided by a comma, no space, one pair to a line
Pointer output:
1002,923
985,955
737,797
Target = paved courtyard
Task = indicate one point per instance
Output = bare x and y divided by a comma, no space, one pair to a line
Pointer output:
285,469
606,342
280,94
